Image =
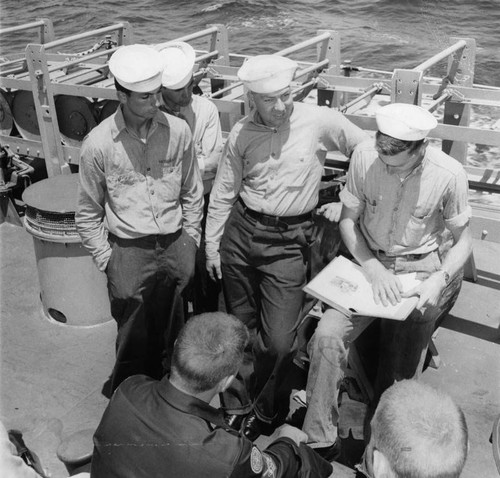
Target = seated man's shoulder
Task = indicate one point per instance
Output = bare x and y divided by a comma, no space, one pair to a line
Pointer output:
367,146
365,152
443,161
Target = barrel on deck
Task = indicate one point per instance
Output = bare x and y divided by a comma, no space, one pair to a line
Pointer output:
73,291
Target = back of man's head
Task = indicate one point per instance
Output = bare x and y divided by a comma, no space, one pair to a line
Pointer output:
208,349
420,432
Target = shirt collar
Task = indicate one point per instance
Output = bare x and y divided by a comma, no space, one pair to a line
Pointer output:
191,405
119,122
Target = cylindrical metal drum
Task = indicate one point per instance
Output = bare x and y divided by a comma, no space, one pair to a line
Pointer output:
24,115
73,291
75,116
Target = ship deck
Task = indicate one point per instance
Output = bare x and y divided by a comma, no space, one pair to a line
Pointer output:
52,374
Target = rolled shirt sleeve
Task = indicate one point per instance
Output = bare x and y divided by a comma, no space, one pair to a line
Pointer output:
457,211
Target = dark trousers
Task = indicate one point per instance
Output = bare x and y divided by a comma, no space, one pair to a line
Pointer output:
402,347
206,291
147,278
264,269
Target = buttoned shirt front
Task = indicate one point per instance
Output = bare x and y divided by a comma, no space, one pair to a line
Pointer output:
135,188
406,216
277,171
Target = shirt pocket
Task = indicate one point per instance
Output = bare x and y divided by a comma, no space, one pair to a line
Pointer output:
420,226
171,181
123,188
295,173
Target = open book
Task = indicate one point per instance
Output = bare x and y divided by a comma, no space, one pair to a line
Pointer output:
343,285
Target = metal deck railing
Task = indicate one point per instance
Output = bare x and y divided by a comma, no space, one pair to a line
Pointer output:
41,128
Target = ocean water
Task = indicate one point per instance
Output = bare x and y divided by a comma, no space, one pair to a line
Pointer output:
382,34
378,34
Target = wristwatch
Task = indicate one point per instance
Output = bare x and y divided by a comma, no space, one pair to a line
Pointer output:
446,275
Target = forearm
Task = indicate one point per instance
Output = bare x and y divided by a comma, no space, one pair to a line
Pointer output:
357,246
294,460
94,238
216,219
192,214
89,220
210,162
458,254
191,196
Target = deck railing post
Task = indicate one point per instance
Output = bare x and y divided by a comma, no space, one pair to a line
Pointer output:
406,86
455,113
220,42
43,96
330,50
46,33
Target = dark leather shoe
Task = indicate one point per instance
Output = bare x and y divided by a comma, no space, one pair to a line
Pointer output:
234,421
329,453
253,427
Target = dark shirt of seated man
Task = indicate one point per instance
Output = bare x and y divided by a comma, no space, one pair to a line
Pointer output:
168,428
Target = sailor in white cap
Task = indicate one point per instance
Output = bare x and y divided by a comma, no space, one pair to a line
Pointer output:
401,201
178,61
139,210
260,228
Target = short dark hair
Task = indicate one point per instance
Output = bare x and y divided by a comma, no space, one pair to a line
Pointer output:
390,146
121,88
420,431
209,348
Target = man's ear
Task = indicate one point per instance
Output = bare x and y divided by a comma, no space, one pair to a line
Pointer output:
122,97
381,467
423,146
251,101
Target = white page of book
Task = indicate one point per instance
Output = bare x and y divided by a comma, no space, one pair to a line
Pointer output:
344,283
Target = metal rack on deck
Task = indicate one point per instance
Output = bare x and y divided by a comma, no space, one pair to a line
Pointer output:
323,78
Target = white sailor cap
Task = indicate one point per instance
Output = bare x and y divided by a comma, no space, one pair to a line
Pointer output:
267,73
136,67
404,121
178,62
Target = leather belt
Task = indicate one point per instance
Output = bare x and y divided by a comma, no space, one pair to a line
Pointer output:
411,257
275,221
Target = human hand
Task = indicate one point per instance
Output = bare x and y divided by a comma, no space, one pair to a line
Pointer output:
386,286
198,150
331,211
213,268
428,291
298,436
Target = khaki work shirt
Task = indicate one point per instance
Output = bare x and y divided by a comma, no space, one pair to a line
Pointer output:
406,216
134,188
277,171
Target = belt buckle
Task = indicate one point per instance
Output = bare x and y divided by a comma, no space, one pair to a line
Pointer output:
274,221
282,224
